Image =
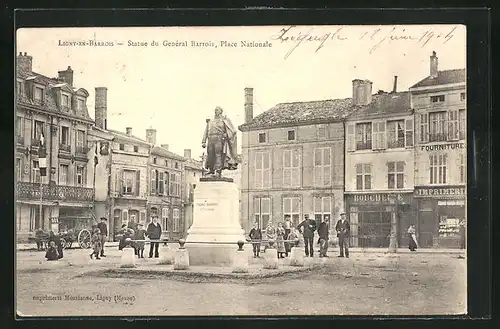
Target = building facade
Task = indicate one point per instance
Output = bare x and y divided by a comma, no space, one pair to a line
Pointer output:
440,107
379,170
53,112
165,195
293,161
193,170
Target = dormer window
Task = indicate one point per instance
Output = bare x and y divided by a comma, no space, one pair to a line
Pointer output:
38,94
65,101
80,103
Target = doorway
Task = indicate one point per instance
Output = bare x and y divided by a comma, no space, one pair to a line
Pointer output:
374,229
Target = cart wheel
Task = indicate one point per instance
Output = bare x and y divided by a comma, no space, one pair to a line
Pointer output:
84,239
63,242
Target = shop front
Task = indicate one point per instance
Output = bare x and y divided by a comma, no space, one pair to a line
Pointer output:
441,216
128,212
374,215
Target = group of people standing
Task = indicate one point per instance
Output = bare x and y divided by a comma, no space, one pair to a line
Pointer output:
137,235
285,236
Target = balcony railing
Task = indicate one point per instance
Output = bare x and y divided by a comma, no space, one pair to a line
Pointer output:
396,143
65,147
27,190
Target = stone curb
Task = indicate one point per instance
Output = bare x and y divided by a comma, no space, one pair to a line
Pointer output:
198,275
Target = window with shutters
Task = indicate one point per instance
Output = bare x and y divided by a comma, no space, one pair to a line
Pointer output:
291,168
364,136
395,174
175,184
437,126
379,135
38,96
263,169
19,128
164,218
80,141
161,183
63,174
166,183
35,172
154,181
396,134
453,125
322,207
128,181
38,130
437,165
351,141
363,176
462,169
19,172
262,211
322,166
176,220
424,128
79,176
291,207
65,136
462,122
409,132
65,102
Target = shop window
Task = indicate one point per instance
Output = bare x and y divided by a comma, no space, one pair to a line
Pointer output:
262,211
395,174
363,176
438,168
291,207
364,136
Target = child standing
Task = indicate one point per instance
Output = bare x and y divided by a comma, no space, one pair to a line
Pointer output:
96,243
255,235
140,234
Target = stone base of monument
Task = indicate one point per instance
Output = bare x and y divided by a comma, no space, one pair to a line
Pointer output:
216,228
181,261
297,257
167,256
128,258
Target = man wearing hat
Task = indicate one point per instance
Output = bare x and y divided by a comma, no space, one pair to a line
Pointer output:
307,227
154,233
103,227
342,229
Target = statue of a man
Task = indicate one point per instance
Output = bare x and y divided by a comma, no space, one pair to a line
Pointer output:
220,140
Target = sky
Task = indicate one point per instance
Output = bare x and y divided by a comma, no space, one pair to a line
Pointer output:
174,88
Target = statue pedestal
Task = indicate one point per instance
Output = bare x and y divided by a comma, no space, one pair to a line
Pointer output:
216,220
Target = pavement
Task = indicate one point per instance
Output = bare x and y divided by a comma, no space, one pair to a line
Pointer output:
364,284
32,246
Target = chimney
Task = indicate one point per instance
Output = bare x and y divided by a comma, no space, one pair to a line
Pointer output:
165,146
129,131
395,86
24,63
248,104
361,92
434,65
101,107
187,153
67,76
151,136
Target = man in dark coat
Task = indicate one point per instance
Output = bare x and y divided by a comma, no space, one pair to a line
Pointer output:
342,229
307,227
323,236
154,233
103,227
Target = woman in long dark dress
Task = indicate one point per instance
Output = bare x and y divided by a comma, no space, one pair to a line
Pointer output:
57,242
412,244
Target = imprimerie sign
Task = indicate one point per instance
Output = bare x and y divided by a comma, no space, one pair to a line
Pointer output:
452,191
440,147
